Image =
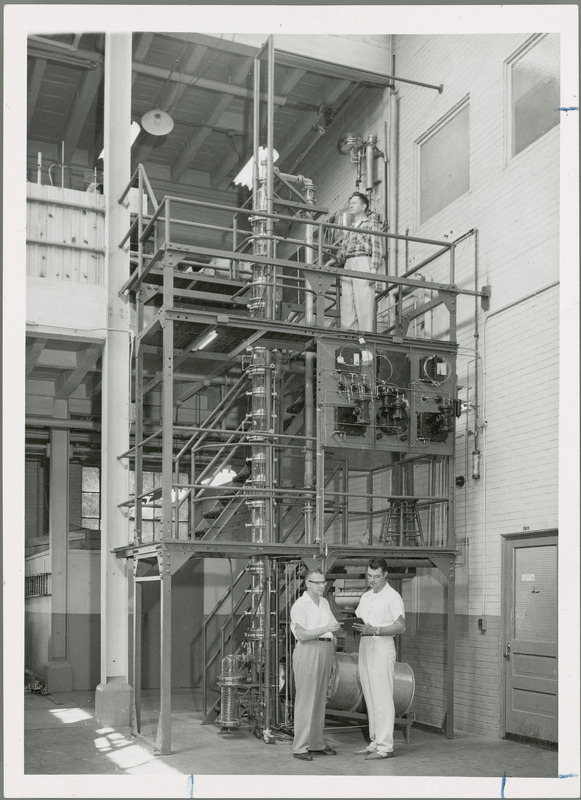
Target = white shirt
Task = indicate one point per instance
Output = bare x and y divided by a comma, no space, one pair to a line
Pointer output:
306,613
380,608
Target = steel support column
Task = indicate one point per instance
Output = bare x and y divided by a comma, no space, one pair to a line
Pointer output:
113,695
163,741
58,671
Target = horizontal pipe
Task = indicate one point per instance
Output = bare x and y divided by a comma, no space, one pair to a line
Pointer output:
286,58
65,204
65,424
200,82
67,246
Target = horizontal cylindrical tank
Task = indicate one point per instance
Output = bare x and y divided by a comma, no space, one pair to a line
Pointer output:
345,692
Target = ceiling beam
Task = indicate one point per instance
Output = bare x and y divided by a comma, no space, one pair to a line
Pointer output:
66,384
146,143
331,93
220,178
307,120
34,88
33,352
189,153
285,58
145,40
199,82
81,108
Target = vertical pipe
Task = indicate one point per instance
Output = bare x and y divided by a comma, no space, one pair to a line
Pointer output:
385,179
167,402
137,631
39,168
309,377
267,647
139,356
204,670
450,651
140,226
453,264
163,742
370,505
393,180
370,164
256,132
320,479
270,165
345,502
276,640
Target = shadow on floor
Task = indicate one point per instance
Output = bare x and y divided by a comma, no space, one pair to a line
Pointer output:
61,737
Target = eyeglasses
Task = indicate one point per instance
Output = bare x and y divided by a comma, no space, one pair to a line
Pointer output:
317,583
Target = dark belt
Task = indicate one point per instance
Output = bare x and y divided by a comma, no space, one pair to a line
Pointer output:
357,255
323,639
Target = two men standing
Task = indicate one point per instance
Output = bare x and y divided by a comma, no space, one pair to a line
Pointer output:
313,625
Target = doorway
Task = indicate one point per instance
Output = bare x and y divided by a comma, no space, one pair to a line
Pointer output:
530,617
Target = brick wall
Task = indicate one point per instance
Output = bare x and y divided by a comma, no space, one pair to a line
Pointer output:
477,673
513,205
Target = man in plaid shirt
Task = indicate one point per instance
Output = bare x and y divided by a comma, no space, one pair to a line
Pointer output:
362,253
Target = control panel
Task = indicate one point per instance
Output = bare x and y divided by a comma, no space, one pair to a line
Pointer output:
396,397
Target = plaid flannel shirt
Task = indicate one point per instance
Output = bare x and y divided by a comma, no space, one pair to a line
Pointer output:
357,242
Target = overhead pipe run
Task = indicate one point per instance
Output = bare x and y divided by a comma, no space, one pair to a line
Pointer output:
201,83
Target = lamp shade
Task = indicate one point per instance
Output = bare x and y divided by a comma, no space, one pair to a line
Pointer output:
157,122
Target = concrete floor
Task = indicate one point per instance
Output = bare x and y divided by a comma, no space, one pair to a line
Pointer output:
61,737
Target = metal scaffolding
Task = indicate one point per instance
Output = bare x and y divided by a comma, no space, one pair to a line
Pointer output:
264,324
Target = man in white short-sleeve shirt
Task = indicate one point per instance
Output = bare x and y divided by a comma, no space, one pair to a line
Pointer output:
313,625
383,614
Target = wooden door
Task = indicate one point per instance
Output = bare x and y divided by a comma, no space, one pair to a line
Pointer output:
530,611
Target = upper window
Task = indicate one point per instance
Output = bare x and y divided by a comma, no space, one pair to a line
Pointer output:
91,497
444,161
534,82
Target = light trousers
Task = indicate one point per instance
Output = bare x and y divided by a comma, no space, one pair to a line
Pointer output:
376,670
312,662
357,297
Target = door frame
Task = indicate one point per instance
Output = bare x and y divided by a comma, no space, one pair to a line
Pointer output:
506,569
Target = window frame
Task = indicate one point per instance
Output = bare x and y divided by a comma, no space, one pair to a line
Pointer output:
509,63
434,129
90,492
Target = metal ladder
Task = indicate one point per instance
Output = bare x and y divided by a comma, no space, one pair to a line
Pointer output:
402,524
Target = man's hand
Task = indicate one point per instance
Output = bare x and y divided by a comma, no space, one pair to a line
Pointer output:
331,262
334,626
365,630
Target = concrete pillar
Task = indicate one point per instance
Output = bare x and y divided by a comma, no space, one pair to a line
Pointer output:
113,698
58,673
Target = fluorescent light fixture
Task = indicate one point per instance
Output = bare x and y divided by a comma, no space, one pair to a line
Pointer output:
206,340
135,130
244,177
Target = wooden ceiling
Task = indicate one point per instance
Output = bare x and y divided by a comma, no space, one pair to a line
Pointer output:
205,84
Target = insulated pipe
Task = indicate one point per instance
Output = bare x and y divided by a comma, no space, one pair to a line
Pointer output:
65,424
370,162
